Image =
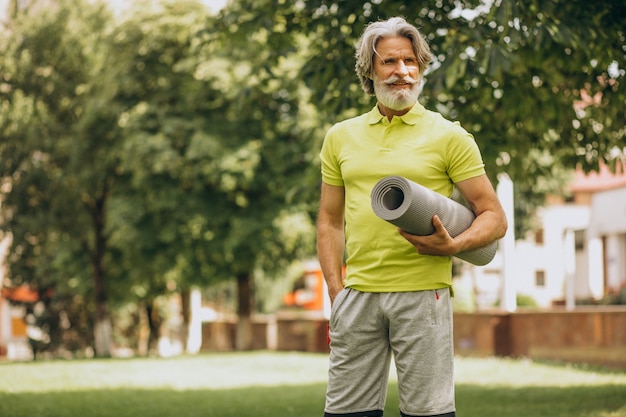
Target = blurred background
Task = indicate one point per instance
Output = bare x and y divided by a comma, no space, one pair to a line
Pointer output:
159,170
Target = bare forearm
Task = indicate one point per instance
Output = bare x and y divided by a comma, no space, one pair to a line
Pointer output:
490,223
486,228
330,248
331,236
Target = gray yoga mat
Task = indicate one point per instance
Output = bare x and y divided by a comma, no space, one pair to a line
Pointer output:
411,207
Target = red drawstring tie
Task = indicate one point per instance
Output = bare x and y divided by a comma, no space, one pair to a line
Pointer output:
328,334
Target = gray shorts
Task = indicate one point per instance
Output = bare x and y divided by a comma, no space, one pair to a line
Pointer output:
367,328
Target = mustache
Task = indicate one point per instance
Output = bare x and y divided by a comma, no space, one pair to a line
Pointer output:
394,79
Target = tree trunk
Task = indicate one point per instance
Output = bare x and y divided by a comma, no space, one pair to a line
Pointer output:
102,325
154,325
185,311
243,335
103,334
143,331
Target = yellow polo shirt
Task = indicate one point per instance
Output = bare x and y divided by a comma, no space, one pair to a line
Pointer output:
421,146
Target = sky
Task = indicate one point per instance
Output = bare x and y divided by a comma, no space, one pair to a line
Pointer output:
214,5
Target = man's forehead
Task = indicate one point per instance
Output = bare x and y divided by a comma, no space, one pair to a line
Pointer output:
395,47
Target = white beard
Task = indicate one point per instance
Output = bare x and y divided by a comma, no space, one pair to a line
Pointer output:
396,99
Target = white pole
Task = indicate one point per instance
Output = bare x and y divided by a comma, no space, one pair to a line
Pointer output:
194,335
569,268
595,271
508,297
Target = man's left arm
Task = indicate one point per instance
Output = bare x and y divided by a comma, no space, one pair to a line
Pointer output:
489,225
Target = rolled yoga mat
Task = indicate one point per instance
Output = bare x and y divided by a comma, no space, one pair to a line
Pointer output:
411,207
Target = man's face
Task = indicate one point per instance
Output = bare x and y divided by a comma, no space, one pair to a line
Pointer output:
396,73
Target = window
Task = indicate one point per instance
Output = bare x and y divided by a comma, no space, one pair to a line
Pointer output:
579,240
540,278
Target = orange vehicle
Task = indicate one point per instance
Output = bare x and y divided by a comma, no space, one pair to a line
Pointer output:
310,291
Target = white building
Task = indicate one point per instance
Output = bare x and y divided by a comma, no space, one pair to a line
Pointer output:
608,225
577,253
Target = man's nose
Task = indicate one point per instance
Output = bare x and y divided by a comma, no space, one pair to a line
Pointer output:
402,69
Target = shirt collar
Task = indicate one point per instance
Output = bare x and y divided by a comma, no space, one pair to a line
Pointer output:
410,118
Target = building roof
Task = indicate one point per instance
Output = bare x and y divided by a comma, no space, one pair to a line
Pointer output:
600,180
22,294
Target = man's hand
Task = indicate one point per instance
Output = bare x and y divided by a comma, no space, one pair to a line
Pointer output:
440,243
332,293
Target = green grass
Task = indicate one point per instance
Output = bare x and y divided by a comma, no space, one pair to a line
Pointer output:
266,384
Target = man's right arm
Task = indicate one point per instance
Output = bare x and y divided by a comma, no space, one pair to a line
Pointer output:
331,237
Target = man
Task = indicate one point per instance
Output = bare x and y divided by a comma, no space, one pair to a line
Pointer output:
396,295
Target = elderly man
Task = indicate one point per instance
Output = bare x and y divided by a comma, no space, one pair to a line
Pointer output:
396,295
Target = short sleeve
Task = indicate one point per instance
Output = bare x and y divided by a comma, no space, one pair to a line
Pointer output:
331,168
463,156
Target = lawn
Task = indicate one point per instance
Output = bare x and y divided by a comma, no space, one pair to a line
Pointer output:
267,384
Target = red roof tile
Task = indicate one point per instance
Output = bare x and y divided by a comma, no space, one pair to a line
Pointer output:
602,180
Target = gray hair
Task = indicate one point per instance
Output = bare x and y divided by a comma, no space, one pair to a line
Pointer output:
366,47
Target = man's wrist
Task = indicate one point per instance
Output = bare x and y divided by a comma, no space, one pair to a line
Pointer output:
334,290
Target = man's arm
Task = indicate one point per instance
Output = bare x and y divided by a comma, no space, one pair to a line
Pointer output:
489,225
331,237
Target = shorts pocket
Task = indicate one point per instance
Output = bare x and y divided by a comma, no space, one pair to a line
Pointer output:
339,298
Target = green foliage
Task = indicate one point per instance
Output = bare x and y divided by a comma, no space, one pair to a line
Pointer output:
144,158
616,297
52,206
169,148
517,75
524,300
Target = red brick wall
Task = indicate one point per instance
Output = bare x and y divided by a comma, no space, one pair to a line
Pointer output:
308,335
594,335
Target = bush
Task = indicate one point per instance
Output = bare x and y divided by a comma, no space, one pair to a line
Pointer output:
524,300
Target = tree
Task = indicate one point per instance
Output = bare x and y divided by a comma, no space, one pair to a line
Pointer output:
263,157
520,75
52,200
219,188
114,168
159,109
516,74
163,174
